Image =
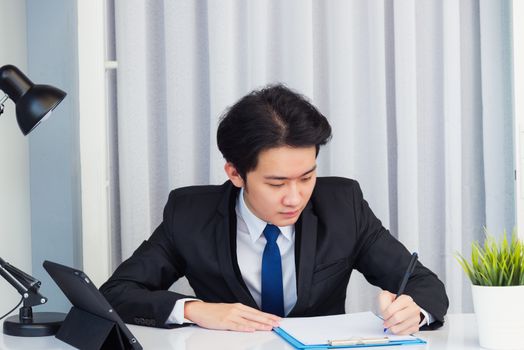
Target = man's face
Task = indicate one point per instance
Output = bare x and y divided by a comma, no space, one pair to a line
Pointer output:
279,188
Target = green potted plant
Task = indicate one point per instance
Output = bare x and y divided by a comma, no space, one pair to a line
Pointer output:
496,272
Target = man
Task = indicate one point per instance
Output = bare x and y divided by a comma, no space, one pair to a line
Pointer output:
274,240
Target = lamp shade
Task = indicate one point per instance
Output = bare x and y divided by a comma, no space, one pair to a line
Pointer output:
33,102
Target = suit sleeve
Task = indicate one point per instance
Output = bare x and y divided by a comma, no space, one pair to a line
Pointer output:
383,260
138,289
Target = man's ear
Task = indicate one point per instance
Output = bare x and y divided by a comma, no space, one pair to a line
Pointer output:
233,175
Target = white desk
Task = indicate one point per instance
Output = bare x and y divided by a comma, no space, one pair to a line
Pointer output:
459,332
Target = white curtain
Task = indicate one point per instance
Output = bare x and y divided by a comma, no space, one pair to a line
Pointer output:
418,93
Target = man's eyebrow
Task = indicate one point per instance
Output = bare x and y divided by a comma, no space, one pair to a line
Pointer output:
274,177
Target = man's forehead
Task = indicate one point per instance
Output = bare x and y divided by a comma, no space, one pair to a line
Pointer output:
286,162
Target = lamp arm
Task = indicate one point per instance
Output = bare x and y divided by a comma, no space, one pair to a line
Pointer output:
26,285
18,286
25,279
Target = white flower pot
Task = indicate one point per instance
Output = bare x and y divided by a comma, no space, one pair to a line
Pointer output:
500,316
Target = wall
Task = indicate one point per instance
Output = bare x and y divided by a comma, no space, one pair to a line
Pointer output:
53,148
15,229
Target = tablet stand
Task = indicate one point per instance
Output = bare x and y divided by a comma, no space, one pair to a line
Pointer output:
85,330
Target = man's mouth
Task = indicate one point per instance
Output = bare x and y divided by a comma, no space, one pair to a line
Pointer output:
291,214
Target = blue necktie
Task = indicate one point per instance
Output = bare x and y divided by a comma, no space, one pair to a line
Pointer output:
272,290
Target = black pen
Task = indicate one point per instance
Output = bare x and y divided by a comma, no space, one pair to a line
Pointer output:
409,270
405,279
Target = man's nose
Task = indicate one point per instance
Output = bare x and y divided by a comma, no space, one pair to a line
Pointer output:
292,197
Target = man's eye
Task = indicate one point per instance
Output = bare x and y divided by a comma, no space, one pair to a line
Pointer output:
276,185
306,179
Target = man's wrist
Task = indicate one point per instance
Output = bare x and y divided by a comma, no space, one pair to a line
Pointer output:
188,306
177,315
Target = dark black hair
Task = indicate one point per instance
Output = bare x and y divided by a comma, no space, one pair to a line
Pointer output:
274,116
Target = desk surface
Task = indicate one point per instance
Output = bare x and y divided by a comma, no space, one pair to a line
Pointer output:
459,332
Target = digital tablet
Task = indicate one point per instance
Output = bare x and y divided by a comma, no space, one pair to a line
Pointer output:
84,295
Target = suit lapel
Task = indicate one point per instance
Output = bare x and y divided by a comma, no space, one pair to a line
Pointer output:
225,234
306,249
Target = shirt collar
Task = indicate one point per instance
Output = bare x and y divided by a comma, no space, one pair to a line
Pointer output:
255,225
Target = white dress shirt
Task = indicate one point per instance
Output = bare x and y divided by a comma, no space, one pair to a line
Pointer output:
250,248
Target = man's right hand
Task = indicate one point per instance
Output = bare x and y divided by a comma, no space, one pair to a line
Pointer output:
234,317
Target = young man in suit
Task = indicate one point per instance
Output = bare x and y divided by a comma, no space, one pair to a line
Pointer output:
274,240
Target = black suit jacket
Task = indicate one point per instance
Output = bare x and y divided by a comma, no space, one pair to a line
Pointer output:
336,233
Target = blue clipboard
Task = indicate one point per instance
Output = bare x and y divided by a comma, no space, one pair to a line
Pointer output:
359,344
298,345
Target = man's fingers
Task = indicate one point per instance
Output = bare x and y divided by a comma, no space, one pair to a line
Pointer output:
252,314
407,327
260,317
246,319
385,298
400,316
240,327
251,325
398,304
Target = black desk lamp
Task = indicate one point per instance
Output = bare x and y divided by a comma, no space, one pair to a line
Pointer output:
34,104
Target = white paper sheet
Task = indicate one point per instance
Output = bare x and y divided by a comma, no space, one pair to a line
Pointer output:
319,330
